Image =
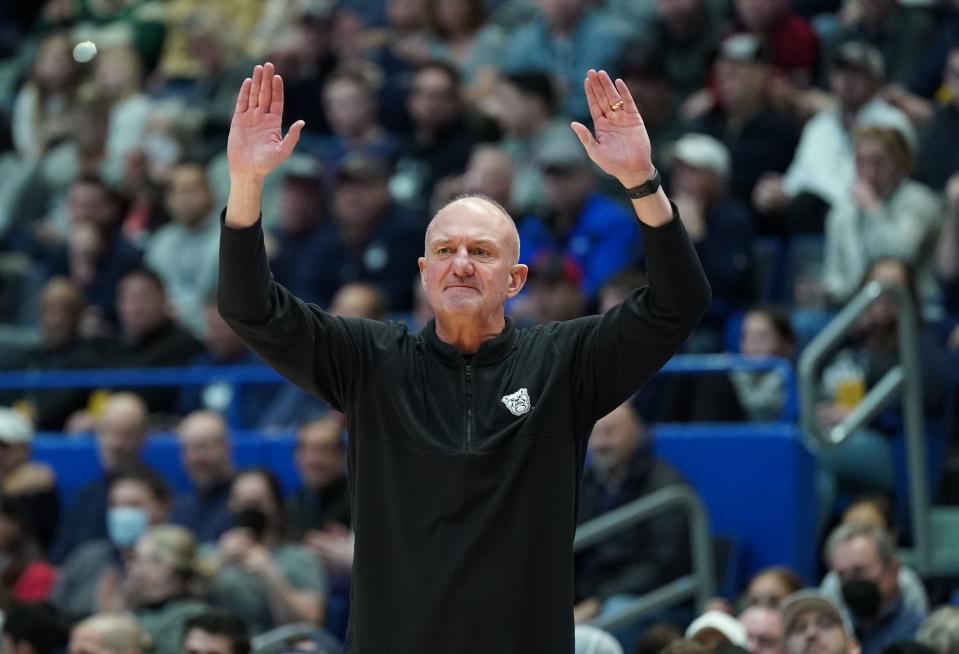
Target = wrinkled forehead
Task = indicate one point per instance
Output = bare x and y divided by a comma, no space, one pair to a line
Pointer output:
473,219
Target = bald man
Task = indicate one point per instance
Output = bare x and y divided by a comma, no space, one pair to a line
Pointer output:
108,633
121,430
206,454
468,437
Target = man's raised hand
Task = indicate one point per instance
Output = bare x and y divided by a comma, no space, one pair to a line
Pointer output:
256,146
620,145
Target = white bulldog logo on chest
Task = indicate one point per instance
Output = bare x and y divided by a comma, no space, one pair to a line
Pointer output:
518,403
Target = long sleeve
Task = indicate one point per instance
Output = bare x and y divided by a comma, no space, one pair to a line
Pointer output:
325,355
616,353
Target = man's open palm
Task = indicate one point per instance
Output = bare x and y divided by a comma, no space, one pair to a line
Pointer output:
256,146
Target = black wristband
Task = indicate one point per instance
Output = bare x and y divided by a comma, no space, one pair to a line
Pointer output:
649,187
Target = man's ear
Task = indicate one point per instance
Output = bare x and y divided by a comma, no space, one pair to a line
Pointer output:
517,279
421,262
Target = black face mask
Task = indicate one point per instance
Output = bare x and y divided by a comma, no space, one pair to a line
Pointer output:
863,598
251,518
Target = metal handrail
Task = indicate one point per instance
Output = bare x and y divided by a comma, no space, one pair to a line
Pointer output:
903,378
699,585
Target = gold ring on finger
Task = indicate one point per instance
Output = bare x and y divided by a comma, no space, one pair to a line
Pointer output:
616,106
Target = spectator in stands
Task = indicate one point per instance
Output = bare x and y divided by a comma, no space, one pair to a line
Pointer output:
109,633
323,501
656,92
302,223
716,631
646,556
554,289
259,577
938,163
579,220
566,39
62,346
138,499
940,631
900,32
34,628
824,169
812,622
947,254
149,336
349,102
359,300
876,510
760,138
489,172
215,632
224,348
793,44
42,110
96,255
373,241
764,630
766,332
887,215
459,34
719,227
121,429
685,36
770,586
523,105
25,576
205,452
163,583
865,461
593,640
867,563
118,80
185,252
439,140
30,488
657,637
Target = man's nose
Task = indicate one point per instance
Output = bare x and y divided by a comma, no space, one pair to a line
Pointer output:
462,266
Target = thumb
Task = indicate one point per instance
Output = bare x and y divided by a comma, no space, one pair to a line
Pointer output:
292,137
585,137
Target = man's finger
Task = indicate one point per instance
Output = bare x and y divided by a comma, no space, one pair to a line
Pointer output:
596,86
629,105
276,103
255,86
585,137
292,136
608,90
243,98
266,88
595,111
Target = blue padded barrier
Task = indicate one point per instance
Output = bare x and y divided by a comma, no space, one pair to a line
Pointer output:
758,484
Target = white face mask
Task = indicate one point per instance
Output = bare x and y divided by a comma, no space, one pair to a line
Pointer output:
125,524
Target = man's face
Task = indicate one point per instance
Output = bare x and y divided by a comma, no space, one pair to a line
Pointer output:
858,559
614,439
759,337
469,267
853,88
141,306
90,203
135,494
764,630
348,107
567,187
761,15
740,82
434,99
699,182
87,640
319,454
188,195
359,203
120,433
198,641
205,449
816,632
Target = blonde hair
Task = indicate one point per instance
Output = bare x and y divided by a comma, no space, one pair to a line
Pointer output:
176,547
119,632
893,140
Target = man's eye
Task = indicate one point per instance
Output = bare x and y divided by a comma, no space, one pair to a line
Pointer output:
482,252
442,250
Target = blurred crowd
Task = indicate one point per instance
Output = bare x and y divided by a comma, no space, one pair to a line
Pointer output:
809,146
